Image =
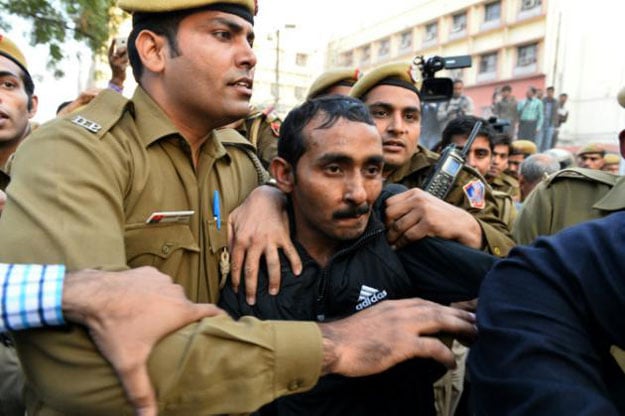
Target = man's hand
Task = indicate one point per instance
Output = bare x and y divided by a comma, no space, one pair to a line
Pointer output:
3,199
260,227
127,313
84,98
393,331
415,214
118,61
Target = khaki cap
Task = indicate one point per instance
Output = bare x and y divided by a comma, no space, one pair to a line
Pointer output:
612,159
403,71
524,147
159,6
331,78
11,51
591,148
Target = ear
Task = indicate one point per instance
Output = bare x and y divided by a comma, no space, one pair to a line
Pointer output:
34,104
153,50
283,173
621,139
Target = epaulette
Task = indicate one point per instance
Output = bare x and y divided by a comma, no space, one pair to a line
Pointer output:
101,114
591,175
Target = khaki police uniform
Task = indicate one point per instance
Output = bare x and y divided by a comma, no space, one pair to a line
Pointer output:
566,198
506,183
414,174
262,130
82,190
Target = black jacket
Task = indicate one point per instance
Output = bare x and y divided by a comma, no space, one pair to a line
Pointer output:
362,273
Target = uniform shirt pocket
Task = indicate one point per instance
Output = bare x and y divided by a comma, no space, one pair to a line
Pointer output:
163,246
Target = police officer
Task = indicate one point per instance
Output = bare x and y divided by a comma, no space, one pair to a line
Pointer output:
125,183
469,213
611,163
19,103
262,129
334,81
521,149
591,156
569,197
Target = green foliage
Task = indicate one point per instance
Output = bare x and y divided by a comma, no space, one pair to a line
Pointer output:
54,22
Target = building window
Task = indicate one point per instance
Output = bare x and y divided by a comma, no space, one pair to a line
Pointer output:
347,58
384,48
487,70
300,93
301,59
526,55
459,22
488,63
405,40
530,4
431,33
530,8
526,59
365,54
492,12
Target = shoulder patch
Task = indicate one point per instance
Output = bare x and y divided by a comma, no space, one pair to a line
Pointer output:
590,175
92,126
476,193
101,114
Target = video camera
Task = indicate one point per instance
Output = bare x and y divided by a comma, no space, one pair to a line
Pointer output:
439,89
500,125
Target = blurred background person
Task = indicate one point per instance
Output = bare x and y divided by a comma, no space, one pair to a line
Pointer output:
530,115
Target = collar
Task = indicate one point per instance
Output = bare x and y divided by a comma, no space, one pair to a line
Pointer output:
421,159
153,125
614,200
150,119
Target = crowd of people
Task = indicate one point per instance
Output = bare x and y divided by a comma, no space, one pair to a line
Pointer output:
181,252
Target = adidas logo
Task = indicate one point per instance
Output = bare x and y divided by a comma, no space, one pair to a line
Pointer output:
369,296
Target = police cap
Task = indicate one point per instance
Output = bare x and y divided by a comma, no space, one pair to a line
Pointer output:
327,80
523,147
400,74
243,8
591,148
612,159
10,50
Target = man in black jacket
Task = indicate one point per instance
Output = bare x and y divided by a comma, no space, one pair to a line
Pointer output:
330,164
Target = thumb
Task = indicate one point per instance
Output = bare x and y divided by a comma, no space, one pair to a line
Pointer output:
204,310
139,390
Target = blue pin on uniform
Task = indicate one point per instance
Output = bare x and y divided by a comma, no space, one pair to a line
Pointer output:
217,209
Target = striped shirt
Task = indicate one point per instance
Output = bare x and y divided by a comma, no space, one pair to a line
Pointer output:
30,296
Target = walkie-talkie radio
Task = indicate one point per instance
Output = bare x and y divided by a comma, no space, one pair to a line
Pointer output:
444,175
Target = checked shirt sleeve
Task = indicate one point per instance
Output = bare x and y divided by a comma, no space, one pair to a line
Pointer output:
30,296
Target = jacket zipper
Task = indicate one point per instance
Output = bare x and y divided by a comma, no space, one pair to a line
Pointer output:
323,282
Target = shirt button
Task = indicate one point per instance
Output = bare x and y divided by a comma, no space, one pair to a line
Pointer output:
295,385
497,251
166,249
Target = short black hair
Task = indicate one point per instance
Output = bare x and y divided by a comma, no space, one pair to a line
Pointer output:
292,144
550,89
503,139
506,87
462,126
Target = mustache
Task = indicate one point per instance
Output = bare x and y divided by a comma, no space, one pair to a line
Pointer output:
352,212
